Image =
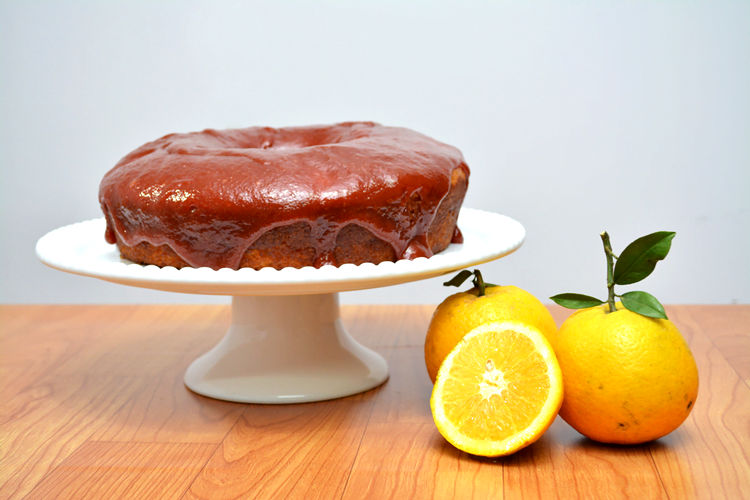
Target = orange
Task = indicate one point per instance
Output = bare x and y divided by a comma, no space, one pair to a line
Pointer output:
628,378
498,390
462,312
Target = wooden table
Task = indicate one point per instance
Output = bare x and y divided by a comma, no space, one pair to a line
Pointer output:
92,405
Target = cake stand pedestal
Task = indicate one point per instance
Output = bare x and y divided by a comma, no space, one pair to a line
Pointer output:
286,343
286,349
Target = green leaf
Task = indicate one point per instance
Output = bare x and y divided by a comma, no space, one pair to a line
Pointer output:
459,279
643,303
576,300
639,259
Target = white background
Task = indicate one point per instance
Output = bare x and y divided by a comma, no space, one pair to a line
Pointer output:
575,117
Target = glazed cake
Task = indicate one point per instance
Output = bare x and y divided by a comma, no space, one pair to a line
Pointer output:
287,197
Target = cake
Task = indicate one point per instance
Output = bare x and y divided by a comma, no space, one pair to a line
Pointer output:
260,197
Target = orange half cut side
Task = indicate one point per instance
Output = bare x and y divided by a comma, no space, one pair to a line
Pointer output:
498,390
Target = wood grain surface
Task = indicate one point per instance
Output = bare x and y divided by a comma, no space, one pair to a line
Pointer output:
92,405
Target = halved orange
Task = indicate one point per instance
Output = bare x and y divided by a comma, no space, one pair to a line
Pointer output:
498,390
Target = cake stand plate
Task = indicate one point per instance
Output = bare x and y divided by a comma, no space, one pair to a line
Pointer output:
286,343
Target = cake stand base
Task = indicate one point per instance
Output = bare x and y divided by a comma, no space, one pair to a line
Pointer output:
286,349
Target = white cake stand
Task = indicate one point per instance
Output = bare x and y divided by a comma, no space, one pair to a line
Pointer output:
286,343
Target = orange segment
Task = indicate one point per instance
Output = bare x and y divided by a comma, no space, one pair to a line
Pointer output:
498,390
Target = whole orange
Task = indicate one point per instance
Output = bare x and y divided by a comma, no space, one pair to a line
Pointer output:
462,312
627,378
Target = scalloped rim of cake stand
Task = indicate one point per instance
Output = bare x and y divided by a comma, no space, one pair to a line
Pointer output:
80,249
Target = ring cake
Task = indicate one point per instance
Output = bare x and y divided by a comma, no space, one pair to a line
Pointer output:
288,197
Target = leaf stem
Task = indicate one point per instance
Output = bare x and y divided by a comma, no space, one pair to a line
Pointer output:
610,271
479,282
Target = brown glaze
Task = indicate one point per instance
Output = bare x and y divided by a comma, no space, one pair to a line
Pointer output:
210,195
457,236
